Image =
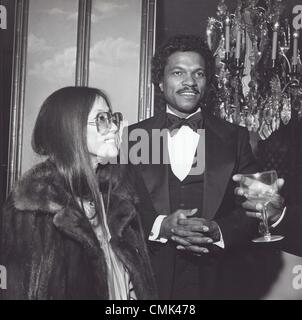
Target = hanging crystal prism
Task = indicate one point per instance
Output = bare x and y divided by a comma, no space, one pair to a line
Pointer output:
286,109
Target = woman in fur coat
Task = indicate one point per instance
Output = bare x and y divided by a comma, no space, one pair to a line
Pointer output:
71,228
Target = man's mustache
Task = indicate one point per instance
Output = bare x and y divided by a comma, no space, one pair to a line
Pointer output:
189,89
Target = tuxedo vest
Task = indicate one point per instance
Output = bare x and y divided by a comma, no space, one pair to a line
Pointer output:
186,194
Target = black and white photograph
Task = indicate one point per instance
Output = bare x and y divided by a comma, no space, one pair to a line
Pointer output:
151,150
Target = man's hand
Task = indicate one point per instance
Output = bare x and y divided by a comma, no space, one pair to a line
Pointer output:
193,233
171,222
253,207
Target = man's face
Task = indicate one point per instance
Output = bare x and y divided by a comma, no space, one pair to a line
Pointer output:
184,81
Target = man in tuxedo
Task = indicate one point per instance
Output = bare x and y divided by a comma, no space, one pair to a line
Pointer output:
198,236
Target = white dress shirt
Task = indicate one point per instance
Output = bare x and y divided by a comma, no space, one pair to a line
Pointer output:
182,148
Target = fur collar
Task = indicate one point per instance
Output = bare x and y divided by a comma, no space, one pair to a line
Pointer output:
41,189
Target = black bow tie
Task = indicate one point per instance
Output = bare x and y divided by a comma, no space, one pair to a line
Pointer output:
174,122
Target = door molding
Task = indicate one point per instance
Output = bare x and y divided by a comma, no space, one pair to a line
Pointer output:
148,29
17,92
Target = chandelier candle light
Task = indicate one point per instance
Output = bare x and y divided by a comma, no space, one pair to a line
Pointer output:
227,37
275,44
238,42
295,50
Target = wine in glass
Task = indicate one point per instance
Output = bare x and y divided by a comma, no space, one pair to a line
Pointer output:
261,187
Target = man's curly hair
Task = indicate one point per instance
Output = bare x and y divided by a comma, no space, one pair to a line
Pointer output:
181,43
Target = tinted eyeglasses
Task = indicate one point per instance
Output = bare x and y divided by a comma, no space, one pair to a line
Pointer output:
103,120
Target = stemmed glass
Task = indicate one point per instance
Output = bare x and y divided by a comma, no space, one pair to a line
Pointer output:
261,187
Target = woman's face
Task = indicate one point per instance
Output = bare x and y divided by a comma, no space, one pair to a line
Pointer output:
103,144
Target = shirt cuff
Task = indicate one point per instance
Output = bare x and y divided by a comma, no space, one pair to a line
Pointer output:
153,236
220,243
280,219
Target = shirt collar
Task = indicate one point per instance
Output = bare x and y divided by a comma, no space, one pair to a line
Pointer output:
168,110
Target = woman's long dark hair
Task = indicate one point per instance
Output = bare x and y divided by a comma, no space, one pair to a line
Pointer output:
61,134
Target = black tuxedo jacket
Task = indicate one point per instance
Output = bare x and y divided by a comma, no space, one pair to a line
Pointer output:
226,273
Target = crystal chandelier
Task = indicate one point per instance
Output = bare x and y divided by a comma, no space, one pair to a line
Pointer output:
259,70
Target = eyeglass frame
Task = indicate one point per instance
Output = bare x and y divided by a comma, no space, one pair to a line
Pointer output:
116,118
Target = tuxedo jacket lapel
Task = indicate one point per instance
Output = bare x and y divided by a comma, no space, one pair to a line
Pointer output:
220,153
156,176
157,182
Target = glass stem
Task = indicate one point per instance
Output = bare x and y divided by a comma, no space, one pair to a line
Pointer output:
267,234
